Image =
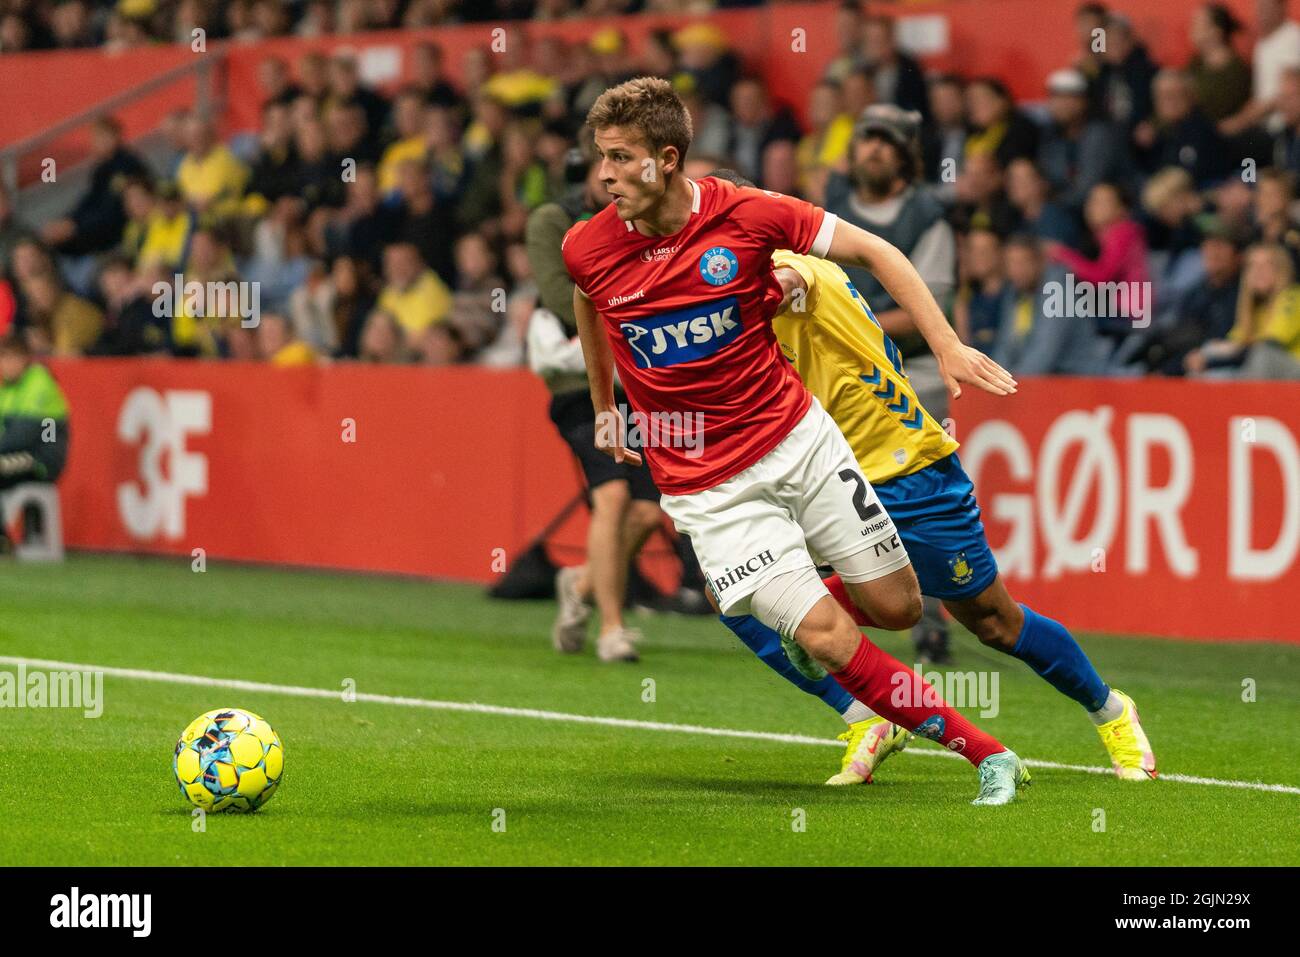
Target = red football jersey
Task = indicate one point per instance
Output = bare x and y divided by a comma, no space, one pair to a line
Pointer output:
689,319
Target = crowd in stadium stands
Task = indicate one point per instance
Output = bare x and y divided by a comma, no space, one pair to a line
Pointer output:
391,228
126,24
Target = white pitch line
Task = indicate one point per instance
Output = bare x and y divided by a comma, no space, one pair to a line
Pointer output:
477,708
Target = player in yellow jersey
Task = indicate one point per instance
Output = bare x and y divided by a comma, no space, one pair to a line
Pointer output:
828,332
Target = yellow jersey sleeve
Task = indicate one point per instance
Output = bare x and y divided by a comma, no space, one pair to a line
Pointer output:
856,372
801,265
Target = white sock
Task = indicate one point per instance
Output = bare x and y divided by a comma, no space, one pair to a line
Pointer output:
1111,710
856,712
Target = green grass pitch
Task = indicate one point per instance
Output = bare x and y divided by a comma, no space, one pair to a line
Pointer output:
381,783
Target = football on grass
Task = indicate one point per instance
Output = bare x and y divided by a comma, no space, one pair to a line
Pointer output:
228,760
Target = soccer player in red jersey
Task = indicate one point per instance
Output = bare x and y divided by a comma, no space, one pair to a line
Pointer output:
675,288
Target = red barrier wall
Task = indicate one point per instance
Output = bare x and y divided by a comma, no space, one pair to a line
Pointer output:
1117,505
43,88
391,469
1156,506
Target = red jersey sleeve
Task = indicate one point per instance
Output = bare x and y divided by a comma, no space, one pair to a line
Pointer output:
785,222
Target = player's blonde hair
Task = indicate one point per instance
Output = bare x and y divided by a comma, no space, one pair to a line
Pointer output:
649,105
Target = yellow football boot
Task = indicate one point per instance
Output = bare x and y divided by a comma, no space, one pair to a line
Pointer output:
1130,751
869,742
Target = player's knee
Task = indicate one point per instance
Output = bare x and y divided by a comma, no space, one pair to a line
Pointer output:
790,603
996,638
796,604
899,615
997,630
610,498
996,624
645,516
891,601
900,608
832,642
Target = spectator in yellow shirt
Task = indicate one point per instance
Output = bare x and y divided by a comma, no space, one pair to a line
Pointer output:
827,143
209,327
138,204
158,225
413,294
1265,340
409,118
211,179
277,344
516,83
63,323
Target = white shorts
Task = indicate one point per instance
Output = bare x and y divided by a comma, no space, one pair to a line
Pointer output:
805,501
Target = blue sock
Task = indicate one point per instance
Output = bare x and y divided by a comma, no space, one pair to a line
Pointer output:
1056,657
766,643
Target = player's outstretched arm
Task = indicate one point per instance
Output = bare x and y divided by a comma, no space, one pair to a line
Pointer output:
853,246
599,357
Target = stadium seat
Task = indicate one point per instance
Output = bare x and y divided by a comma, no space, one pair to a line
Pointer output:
44,542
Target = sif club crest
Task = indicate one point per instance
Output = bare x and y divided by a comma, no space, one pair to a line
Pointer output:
719,266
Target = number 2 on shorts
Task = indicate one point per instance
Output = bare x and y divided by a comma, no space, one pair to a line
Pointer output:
865,511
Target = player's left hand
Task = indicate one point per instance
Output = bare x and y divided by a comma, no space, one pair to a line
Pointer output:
792,285
611,436
963,363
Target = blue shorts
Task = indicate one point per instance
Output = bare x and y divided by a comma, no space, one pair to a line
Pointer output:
938,520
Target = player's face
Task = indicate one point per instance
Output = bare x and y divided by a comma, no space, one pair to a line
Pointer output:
630,174
597,197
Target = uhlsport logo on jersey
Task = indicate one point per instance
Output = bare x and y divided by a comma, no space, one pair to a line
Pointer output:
684,335
719,266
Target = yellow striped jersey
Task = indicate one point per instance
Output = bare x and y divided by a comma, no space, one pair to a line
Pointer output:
855,371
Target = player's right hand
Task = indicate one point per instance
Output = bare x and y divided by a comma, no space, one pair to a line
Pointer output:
611,436
963,363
